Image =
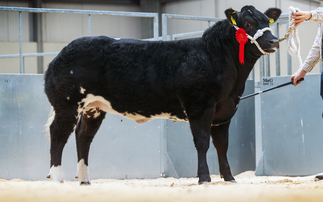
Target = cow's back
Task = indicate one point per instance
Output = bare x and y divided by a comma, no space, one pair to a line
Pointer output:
131,74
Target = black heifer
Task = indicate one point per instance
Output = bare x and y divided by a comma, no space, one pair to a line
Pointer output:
197,80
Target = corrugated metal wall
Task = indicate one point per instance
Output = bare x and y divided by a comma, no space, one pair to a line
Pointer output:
9,24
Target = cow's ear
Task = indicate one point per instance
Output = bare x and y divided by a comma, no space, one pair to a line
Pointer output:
231,16
273,14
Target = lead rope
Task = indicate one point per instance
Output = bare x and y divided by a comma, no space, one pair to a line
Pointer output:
258,34
293,43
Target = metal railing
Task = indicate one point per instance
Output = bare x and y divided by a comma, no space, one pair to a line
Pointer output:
264,62
166,16
87,12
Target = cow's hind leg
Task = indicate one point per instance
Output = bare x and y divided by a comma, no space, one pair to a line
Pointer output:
220,136
60,129
86,129
200,126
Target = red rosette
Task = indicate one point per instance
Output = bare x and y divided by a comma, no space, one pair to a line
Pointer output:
242,39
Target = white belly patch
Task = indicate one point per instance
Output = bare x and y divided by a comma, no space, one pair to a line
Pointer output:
93,101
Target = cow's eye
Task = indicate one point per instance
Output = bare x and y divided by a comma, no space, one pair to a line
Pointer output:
248,24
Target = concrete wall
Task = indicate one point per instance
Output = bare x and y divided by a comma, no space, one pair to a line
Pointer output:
59,29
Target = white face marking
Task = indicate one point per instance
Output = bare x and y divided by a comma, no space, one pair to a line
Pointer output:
82,90
68,98
82,171
71,71
55,173
92,101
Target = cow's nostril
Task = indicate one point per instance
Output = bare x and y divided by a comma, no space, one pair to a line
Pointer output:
273,41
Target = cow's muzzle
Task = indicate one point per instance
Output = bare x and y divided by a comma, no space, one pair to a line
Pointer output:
273,45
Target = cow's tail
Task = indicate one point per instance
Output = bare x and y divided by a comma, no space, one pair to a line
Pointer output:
50,120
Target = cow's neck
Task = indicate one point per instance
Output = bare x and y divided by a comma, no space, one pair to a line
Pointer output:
221,40
243,72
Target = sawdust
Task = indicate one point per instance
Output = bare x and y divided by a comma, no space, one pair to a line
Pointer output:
248,188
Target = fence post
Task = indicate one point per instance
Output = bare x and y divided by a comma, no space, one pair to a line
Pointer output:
22,71
164,27
262,66
277,54
289,58
267,64
89,24
156,27
163,147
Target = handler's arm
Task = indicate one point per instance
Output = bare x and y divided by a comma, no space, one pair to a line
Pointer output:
313,56
311,60
315,15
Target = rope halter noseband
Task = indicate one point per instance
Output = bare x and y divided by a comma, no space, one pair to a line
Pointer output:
258,34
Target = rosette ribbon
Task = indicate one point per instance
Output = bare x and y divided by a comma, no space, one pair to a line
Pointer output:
242,39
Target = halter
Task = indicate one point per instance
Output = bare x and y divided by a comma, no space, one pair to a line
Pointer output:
258,34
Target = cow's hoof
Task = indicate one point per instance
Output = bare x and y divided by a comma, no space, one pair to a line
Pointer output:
204,182
85,183
319,177
49,177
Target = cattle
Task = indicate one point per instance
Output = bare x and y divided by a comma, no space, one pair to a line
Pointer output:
198,80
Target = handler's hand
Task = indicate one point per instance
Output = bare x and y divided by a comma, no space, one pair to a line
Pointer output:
299,17
297,76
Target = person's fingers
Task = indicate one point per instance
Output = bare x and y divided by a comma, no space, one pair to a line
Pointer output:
298,14
296,78
292,78
297,82
299,19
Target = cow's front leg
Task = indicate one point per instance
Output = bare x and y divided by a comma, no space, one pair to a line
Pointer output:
220,136
200,126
